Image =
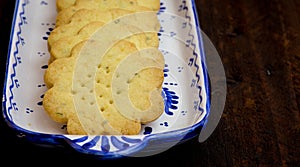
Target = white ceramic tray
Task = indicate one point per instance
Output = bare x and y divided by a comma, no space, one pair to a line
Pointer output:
185,88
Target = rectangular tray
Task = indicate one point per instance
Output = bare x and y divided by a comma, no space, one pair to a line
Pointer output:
185,88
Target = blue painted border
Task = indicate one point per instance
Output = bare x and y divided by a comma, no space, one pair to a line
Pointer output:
203,62
4,100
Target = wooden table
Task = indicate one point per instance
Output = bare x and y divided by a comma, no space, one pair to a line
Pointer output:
259,44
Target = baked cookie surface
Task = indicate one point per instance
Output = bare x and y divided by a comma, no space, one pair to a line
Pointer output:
96,88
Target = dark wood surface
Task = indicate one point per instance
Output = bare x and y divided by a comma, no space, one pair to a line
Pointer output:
259,44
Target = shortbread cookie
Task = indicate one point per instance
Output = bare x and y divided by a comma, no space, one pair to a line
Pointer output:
85,16
64,16
64,4
63,46
80,19
58,101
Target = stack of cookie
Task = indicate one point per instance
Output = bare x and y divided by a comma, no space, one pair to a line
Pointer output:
122,73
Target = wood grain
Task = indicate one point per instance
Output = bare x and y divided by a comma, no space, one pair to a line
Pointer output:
259,45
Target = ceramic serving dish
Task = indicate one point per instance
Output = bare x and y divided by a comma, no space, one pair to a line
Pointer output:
185,88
